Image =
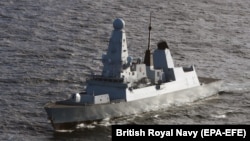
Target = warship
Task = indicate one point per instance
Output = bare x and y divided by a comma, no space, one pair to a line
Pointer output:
128,86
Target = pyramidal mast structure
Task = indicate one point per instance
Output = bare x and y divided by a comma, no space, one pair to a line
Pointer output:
128,86
117,58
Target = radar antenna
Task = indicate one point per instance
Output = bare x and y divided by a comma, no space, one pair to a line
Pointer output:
147,57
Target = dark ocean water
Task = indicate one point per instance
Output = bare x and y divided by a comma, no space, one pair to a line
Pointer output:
47,48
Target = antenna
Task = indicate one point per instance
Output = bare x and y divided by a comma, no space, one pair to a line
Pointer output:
147,58
149,29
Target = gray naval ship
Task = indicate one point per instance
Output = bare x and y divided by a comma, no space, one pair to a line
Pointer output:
129,86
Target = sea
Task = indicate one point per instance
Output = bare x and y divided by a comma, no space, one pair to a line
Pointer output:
48,48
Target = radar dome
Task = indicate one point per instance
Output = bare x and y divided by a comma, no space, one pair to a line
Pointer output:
118,24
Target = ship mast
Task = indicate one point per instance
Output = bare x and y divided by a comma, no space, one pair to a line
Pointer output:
147,57
149,29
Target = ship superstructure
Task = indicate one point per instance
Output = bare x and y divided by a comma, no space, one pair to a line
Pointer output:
121,75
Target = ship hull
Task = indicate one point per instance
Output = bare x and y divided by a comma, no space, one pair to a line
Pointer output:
68,116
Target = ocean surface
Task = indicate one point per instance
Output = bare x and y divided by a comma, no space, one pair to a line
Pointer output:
48,47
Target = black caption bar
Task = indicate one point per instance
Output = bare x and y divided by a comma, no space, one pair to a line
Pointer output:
186,132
